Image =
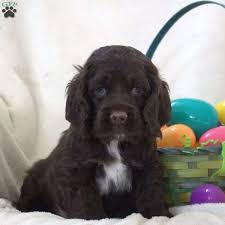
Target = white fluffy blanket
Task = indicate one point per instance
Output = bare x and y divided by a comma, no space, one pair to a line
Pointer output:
40,44
207,214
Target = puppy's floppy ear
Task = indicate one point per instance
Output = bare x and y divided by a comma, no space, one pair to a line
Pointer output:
164,104
77,103
158,107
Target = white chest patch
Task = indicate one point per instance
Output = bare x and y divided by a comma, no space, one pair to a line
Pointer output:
117,177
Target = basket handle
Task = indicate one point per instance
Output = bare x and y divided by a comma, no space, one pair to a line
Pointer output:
161,34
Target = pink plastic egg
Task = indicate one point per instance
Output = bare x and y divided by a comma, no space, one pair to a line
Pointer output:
213,136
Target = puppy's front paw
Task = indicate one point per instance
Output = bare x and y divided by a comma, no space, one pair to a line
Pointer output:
151,212
167,213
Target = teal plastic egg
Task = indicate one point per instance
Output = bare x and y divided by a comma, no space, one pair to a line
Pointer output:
197,114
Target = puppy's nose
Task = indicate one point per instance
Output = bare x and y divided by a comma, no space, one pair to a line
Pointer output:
118,117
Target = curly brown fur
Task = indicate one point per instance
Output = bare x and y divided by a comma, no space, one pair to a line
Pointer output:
117,95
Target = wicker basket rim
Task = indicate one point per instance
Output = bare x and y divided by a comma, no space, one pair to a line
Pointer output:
190,151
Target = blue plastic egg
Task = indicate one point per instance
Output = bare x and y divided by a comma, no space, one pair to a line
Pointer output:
197,114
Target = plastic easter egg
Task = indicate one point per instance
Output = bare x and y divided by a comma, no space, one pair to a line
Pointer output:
163,127
158,139
220,108
197,114
177,136
213,136
207,193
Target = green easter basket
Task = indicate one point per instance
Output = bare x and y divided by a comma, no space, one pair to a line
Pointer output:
187,168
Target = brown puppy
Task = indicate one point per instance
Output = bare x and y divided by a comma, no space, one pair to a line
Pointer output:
106,163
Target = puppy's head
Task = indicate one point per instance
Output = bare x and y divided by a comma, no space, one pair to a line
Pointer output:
118,94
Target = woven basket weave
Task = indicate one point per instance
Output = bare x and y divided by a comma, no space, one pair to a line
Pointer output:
187,168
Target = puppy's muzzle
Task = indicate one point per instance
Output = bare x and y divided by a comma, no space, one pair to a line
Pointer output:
118,117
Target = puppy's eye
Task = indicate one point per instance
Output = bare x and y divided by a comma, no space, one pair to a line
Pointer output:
100,92
137,91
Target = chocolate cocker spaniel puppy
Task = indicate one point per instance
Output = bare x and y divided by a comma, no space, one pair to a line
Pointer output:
106,163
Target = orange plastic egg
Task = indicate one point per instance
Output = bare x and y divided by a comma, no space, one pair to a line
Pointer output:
178,135
163,127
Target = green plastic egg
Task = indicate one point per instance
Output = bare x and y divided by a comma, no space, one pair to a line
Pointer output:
197,114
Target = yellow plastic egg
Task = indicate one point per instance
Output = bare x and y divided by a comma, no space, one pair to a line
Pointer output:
220,108
177,135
